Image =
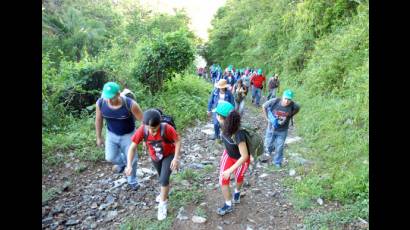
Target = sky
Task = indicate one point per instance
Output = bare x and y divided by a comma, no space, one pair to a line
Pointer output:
201,12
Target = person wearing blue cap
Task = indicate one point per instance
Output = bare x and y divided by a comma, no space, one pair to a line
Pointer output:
119,113
278,112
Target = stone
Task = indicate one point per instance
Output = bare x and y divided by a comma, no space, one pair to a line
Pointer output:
248,227
111,215
291,140
198,219
140,173
94,205
196,166
319,201
72,222
47,221
148,171
292,172
182,214
263,175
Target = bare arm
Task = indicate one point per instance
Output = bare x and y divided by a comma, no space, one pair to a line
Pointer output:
175,161
243,150
136,111
98,124
130,156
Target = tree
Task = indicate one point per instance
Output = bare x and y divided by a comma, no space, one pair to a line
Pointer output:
159,58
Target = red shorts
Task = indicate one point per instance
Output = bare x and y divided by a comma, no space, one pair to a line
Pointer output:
226,163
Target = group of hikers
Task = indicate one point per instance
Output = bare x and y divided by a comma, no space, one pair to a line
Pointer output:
226,104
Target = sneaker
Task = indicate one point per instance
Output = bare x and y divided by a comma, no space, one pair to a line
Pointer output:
134,187
225,209
158,198
213,137
162,211
278,166
236,198
118,168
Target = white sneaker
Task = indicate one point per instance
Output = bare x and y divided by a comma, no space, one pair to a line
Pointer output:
158,198
162,211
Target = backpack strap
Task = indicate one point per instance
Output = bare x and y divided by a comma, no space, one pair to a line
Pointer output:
125,101
162,128
145,133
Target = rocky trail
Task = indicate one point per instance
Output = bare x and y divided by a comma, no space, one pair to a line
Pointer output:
88,195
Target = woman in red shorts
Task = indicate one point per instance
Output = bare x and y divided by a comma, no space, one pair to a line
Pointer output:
235,158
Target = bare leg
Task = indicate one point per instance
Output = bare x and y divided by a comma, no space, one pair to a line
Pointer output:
226,192
164,192
239,186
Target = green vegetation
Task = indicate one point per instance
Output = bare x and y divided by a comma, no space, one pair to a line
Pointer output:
320,50
49,194
147,223
86,44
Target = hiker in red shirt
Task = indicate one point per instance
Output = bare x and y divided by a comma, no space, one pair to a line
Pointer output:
257,82
164,147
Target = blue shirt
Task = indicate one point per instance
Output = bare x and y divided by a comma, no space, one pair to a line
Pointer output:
119,121
213,100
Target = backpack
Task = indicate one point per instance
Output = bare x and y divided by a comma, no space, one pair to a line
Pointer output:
254,141
128,93
165,119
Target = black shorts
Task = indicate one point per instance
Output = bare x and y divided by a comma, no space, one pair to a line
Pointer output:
163,168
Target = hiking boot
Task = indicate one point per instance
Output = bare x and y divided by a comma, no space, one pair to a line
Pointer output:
134,187
236,198
162,211
225,209
118,168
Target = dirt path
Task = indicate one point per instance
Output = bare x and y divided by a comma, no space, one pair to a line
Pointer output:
87,199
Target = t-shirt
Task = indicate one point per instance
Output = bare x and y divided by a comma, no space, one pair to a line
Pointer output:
221,96
158,148
231,146
258,80
120,121
281,112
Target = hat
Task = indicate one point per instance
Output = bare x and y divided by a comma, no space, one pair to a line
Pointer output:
110,89
288,94
223,108
221,84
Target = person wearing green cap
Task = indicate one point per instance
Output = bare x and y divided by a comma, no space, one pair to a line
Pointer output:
278,112
119,113
235,157
257,82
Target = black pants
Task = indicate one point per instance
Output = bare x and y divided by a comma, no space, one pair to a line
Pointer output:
163,168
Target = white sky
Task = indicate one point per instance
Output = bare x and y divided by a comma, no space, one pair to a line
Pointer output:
201,12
